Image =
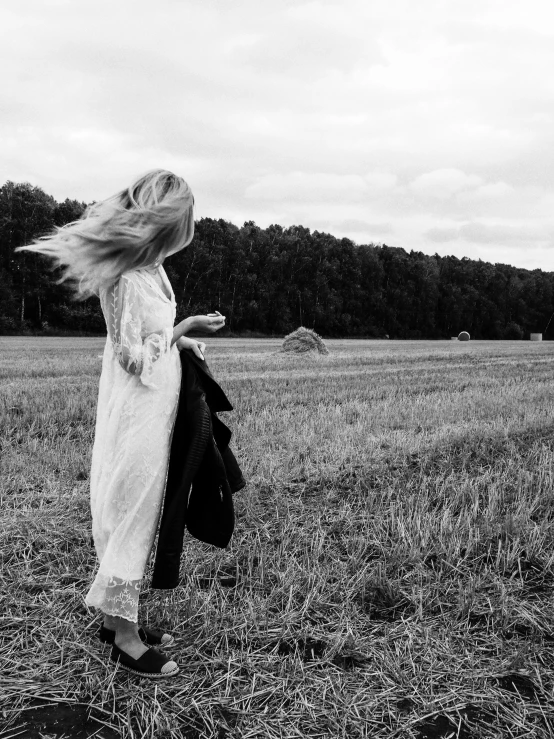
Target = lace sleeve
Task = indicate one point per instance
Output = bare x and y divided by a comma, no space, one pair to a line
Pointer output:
136,355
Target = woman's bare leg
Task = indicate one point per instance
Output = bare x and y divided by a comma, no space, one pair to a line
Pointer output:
126,635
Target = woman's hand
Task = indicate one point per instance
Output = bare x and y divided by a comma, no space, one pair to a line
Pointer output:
198,347
211,323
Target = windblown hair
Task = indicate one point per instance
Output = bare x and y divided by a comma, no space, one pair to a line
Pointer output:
127,231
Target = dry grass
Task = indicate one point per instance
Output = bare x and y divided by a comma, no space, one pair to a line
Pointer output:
391,572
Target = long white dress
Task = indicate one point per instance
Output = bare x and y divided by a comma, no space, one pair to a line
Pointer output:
137,403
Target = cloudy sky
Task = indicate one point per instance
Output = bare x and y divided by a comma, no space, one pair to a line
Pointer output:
426,125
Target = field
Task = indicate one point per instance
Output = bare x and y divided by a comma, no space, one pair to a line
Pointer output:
391,572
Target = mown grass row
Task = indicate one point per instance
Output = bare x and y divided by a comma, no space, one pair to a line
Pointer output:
391,572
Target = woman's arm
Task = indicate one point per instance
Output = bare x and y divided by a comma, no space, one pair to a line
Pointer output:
210,323
182,328
135,354
197,347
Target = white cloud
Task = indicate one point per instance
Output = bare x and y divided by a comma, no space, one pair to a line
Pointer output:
312,188
440,235
320,187
363,231
443,183
430,122
379,182
503,234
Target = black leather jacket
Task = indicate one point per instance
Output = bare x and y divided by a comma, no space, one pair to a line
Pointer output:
202,473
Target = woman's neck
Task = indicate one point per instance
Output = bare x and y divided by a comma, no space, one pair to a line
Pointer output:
154,267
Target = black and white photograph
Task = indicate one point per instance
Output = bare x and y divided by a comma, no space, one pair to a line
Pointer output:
276,369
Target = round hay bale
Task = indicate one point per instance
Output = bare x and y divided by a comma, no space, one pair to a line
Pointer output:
536,337
463,336
304,340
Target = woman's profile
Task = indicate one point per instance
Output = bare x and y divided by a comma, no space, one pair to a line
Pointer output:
116,251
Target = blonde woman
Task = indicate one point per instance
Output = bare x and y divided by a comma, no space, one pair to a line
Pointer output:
116,251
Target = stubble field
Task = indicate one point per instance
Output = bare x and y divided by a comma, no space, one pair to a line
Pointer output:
391,572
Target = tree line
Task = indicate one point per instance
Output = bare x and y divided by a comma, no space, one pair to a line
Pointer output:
270,281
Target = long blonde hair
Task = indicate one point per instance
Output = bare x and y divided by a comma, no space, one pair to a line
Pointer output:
130,230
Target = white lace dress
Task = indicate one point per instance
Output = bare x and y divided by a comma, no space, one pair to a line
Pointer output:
137,402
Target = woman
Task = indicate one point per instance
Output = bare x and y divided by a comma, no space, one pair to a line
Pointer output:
116,251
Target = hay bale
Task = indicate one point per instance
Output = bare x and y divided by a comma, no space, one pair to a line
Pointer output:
463,336
302,341
536,337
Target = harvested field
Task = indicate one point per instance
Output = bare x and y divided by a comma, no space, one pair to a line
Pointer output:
391,572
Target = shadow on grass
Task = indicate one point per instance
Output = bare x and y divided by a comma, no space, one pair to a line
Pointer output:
64,720
468,723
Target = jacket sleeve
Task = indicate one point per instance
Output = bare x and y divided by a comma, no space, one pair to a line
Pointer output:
145,357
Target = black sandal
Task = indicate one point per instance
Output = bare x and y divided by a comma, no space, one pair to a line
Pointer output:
152,637
150,664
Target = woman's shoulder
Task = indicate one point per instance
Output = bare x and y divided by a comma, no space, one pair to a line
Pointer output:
124,281
131,276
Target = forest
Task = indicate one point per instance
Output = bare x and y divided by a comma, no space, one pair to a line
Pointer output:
267,282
